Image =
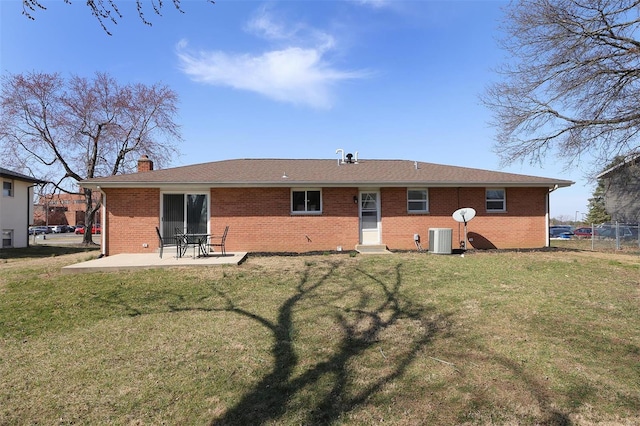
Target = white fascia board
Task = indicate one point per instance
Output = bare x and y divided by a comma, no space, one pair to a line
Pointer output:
287,184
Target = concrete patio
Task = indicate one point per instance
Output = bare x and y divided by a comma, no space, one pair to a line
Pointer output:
120,262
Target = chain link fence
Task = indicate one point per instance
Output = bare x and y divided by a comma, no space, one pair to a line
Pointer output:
609,236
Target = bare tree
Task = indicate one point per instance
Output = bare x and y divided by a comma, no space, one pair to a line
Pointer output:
105,10
66,130
572,85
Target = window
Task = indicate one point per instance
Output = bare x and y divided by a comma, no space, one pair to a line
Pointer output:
496,200
306,201
7,188
417,200
7,238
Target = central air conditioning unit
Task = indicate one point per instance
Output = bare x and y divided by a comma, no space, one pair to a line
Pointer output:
440,240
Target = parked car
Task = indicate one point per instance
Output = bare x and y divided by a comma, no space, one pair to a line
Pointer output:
565,235
71,228
634,231
560,231
94,230
58,229
610,232
39,230
582,232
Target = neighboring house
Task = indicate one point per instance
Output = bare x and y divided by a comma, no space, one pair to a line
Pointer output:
16,208
62,209
282,205
622,190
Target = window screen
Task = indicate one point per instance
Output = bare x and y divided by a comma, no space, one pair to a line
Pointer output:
306,201
496,200
417,200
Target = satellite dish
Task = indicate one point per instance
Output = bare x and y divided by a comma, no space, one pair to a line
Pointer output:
464,214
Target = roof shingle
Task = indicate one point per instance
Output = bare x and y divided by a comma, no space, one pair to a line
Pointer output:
296,172
15,175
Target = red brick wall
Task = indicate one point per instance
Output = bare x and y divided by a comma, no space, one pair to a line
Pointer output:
260,219
522,225
131,220
64,209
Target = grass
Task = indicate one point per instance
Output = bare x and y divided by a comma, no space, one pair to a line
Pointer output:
489,338
603,245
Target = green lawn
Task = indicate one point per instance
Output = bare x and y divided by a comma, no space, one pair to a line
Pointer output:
548,337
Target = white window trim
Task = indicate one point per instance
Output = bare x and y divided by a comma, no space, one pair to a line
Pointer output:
11,242
305,211
184,193
504,200
12,189
426,201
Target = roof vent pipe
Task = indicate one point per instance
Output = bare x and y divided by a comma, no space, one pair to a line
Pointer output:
356,159
341,151
350,158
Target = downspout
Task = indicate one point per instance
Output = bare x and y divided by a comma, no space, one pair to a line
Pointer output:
103,225
29,207
29,210
459,207
547,214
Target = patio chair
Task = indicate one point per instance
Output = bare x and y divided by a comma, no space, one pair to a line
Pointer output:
182,243
160,240
217,241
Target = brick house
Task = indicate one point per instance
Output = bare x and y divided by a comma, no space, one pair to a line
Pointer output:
293,205
62,209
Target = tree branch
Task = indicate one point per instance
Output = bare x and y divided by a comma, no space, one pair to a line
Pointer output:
105,10
573,82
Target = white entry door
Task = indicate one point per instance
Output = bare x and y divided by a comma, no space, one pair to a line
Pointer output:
369,217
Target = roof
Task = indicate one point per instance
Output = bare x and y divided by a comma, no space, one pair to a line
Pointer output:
325,173
629,160
15,175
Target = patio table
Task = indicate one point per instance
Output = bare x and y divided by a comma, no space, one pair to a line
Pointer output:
198,241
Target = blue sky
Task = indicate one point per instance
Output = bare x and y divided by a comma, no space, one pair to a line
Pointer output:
390,79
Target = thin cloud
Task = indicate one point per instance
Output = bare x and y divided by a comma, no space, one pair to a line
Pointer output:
376,4
297,72
266,26
263,25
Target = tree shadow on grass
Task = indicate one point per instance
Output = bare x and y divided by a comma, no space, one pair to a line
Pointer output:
378,307
538,389
365,309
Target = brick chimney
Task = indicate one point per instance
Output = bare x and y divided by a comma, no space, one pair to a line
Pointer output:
144,164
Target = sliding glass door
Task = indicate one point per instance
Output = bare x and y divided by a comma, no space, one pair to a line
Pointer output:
187,212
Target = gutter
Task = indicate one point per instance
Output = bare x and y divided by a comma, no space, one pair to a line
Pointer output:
295,183
627,160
